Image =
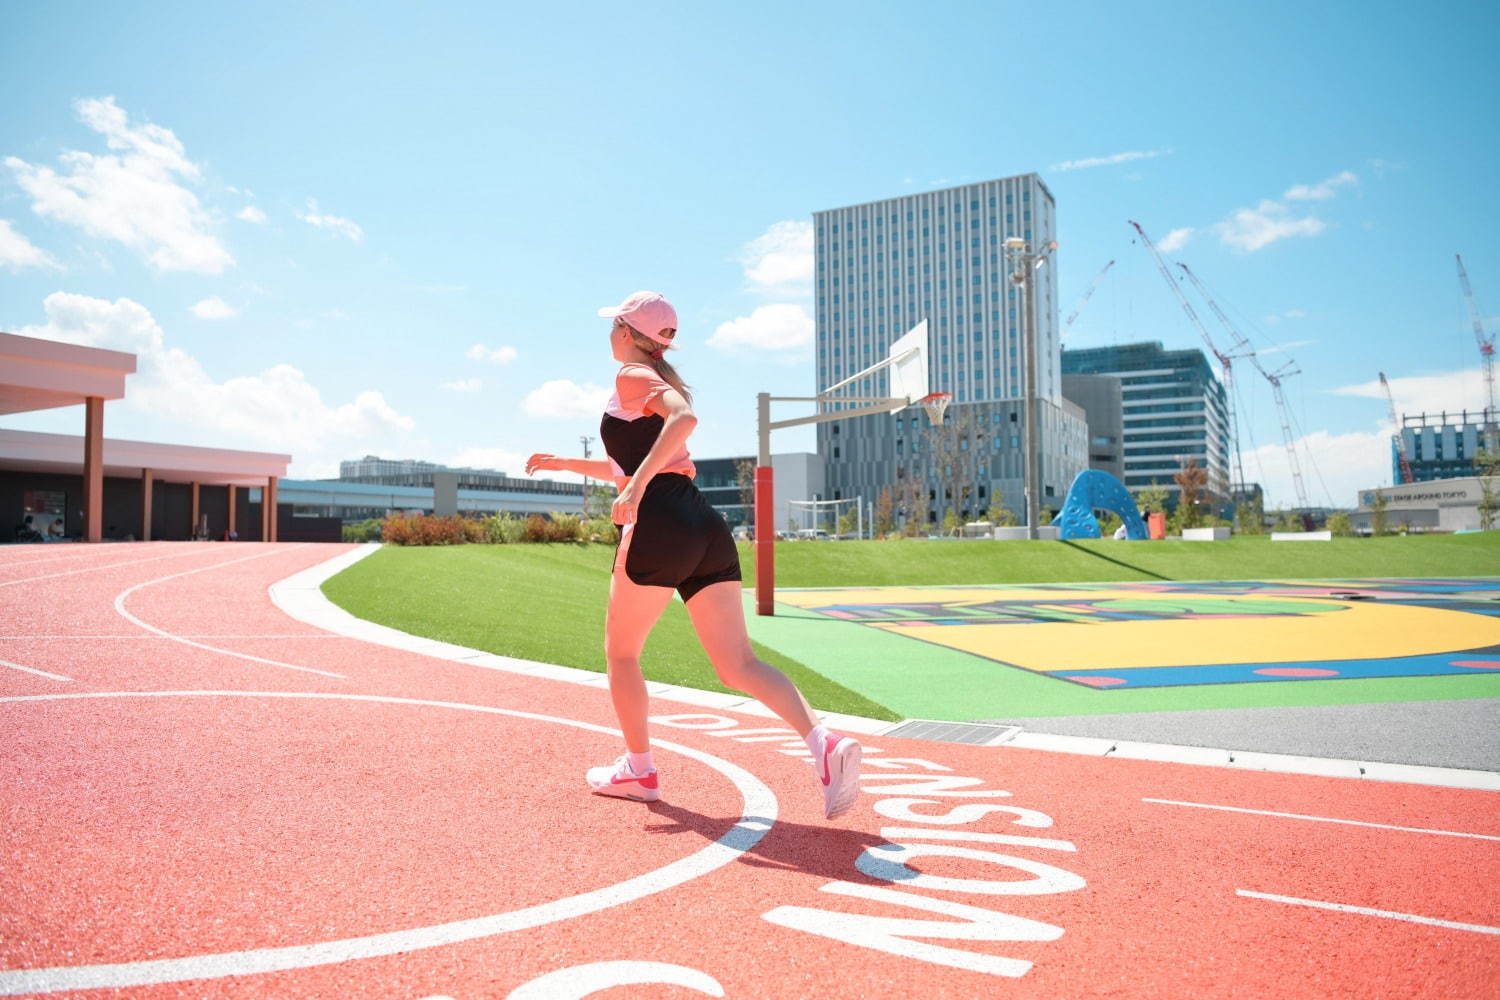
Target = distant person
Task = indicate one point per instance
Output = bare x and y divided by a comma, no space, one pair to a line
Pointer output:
672,539
1121,533
55,530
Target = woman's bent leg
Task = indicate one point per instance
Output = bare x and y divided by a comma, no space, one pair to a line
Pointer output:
719,618
633,610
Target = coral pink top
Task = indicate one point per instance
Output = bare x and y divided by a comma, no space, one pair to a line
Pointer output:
633,421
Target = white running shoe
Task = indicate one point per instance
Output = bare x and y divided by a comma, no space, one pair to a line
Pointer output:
620,781
838,769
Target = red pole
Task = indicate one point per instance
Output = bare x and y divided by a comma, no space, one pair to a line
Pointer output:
765,541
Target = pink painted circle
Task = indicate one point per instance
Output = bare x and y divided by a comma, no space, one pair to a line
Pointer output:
1099,682
1476,664
1295,672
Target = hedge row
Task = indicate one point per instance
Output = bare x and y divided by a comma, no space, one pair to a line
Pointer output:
500,529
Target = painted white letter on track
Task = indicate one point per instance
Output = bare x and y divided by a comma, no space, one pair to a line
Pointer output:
892,934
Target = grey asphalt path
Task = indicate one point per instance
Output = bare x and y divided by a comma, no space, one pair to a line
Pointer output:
1436,733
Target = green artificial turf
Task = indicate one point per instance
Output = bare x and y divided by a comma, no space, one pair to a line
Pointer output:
917,562
546,603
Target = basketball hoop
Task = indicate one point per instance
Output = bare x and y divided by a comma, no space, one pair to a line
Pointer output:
936,404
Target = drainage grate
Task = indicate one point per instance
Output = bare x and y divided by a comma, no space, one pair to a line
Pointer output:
984,734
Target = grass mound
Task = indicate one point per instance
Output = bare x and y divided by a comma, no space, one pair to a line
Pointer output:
542,602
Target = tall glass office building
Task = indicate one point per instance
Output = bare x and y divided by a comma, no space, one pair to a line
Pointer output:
1173,407
882,267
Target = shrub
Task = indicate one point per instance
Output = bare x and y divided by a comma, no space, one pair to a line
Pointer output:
420,529
1341,525
504,529
362,531
601,529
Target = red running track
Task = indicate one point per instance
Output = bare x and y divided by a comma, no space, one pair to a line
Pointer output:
205,798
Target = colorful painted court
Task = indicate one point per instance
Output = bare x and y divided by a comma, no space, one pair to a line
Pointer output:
987,651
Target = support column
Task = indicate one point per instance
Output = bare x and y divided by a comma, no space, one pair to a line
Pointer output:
146,505
145,534
193,527
268,510
93,469
231,487
275,498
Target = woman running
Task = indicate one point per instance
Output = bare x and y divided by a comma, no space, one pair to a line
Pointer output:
671,538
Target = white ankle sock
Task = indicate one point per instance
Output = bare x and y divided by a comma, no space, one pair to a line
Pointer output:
640,763
816,739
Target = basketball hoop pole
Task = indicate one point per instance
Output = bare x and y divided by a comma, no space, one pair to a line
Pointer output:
765,485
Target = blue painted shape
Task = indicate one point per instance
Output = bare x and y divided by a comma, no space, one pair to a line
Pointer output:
1096,488
1422,665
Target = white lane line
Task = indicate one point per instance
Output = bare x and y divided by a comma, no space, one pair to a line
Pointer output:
758,814
92,569
33,670
295,635
1365,910
120,607
1325,819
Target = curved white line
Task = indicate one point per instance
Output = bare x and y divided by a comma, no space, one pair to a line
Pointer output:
120,607
758,814
92,569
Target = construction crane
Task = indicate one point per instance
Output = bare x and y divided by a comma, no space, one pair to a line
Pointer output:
1285,371
1067,323
1226,361
1242,346
1486,354
1400,439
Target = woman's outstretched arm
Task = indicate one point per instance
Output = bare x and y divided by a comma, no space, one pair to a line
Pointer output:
592,468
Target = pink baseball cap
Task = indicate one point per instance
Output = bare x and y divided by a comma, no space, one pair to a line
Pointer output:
648,312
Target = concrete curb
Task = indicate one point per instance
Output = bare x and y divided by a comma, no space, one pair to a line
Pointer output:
300,596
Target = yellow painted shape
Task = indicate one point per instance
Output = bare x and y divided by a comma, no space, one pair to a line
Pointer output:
953,595
1356,631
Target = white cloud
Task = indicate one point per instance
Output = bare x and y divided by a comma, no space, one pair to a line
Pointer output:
1322,190
780,260
341,226
213,307
1344,463
1282,348
1449,392
1251,229
16,251
276,410
1175,240
494,355
133,196
512,463
781,327
464,385
1109,161
1274,318
251,214
564,399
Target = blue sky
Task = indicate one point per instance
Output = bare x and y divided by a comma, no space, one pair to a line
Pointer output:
387,227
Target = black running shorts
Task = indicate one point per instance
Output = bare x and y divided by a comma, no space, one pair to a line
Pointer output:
678,539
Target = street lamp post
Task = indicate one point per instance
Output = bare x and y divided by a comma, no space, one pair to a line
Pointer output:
1025,261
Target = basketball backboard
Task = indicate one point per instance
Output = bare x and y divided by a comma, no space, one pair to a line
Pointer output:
908,365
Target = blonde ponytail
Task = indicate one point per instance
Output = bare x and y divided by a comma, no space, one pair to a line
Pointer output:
656,353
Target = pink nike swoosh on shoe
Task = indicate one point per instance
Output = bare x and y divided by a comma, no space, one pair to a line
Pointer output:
647,780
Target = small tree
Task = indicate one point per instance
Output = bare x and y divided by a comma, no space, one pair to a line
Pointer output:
1487,468
999,515
885,512
848,522
744,478
1191,480
1379,524
1152,499
1340,525
1287,520
950,522
1250,516
791,525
